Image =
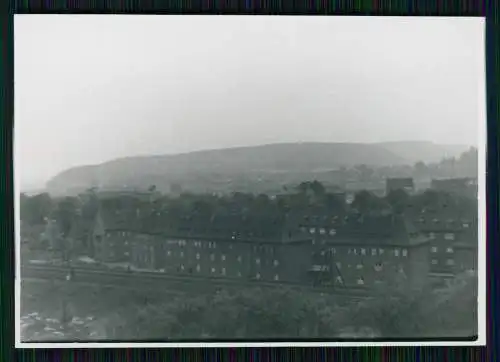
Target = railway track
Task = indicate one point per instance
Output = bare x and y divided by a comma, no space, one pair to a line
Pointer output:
106,285
158,281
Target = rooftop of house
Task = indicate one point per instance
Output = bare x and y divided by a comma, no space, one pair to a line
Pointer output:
174,235
237,226
400,182
217,226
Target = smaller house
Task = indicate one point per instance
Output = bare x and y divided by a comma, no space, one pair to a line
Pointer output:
401,183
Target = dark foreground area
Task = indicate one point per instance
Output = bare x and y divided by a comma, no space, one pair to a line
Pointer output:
103,313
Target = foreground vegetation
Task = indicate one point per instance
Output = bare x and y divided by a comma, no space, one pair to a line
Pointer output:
396,312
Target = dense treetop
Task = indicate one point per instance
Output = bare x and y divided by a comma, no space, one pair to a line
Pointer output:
256,215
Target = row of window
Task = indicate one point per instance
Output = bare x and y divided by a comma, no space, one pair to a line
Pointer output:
199,244
449,222
210,244
223,272
435,249
321,231
223,258
377,267
449,262
213,245
364,251
447,236
359,281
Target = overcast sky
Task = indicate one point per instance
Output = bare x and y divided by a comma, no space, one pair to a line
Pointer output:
93,88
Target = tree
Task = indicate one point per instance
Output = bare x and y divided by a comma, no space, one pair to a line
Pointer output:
398,199
90,205
318,188
467,164
421,170
434,200
365,172
303,187
335,203
398,310
65,214
34,210
456,306
365,202
245,313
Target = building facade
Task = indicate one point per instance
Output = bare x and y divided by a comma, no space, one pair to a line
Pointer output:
244,260
372,252
453,242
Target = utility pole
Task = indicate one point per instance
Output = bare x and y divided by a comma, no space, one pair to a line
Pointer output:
66,315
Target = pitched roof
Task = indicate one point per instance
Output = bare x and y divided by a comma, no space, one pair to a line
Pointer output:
233,226
381,229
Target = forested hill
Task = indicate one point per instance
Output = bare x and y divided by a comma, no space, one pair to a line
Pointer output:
296,157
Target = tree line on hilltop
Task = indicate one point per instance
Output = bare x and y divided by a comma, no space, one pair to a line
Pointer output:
222,176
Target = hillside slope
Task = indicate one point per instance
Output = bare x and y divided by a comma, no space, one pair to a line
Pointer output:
297,157
415,151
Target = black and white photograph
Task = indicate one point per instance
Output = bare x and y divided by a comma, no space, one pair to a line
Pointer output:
249,180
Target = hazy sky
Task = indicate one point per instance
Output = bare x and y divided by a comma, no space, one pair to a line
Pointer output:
92,88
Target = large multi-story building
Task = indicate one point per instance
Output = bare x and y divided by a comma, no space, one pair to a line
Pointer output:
222,258
262,251
369,251
312,246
